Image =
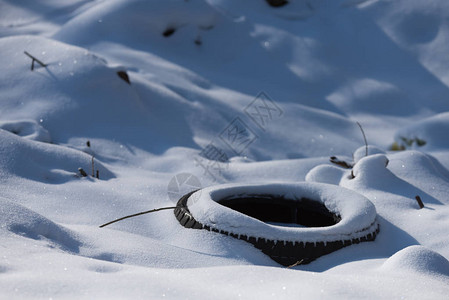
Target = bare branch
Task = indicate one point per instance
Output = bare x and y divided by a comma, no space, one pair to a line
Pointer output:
364,138
138,214
34,59
420,203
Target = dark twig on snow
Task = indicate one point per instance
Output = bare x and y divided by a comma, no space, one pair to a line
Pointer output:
34,59
93,167
350,165
82,172
420,203
341,163
138,214
92,161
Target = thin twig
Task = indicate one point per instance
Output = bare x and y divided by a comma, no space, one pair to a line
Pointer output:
93,168
34,59
420,203
296,264
138,214
364,138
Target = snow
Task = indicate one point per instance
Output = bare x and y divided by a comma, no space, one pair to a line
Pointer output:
417,259
428,133
292,81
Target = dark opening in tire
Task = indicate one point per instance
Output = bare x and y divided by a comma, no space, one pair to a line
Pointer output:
325,217
272,209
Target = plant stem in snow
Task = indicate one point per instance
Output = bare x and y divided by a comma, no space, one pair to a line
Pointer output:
34,59
364,138
420,203
93,168
138,214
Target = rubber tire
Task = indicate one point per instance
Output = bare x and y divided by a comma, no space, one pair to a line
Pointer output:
286,254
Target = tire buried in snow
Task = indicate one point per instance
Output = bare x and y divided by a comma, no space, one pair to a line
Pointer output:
292,223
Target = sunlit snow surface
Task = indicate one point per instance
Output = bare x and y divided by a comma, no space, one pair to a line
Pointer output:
269,93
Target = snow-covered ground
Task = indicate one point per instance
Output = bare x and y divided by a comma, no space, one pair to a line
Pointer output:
267,94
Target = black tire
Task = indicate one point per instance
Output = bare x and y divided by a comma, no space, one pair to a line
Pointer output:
286,253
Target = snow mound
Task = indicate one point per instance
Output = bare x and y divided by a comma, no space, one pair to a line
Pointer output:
44,162
373,96
429,134
79,94
422,30
372,167
29,129
417,259
147,20
358,214
421,170
373,173
325,174
25,222
361,152
332,174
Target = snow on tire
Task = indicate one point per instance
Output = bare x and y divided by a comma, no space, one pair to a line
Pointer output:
293,223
